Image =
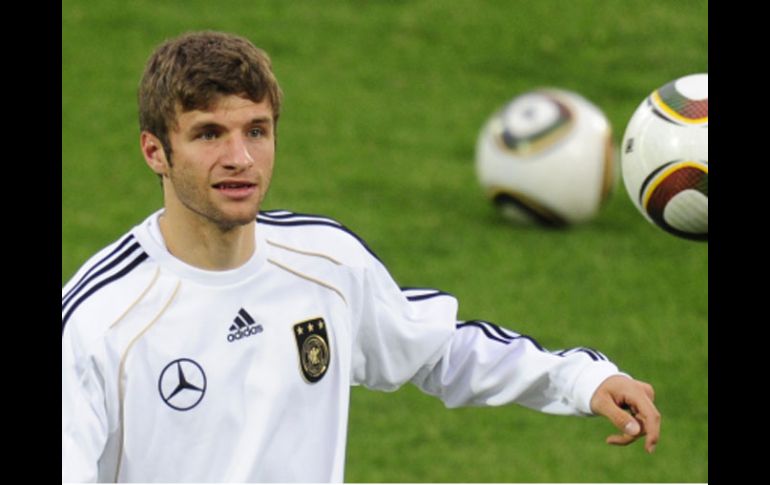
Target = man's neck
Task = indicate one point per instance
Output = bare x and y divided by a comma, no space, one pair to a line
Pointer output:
207,246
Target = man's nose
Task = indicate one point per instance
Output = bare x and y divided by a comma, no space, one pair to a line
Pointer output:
238,156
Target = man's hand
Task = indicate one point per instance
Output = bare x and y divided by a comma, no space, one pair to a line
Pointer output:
628,404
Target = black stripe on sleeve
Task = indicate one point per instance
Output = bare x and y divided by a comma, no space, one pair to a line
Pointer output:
594,354
564,353
85,278
291,219
418,294
286,216
510,336
108,267
487,332
590,352
504,336
138,260
600,355
494,332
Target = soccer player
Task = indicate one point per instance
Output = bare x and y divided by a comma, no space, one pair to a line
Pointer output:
214,342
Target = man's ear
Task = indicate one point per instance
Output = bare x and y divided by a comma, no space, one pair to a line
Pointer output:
153,152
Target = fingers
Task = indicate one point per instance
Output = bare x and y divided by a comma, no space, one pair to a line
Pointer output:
651,425
621,439
618,416
628,404
647,389
645,412
635,429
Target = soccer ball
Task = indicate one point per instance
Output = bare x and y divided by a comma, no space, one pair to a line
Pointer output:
546,158
665,154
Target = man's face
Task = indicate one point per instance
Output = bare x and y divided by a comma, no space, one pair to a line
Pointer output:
222,162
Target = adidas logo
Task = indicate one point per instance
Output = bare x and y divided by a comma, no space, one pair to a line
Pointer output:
243,326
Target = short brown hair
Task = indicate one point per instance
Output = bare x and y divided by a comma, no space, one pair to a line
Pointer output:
193,70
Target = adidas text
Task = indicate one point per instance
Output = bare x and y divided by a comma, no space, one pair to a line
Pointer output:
247,332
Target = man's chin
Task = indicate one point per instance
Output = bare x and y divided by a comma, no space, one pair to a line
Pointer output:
231,222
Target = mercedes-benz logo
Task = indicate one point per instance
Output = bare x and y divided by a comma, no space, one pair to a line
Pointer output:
182,384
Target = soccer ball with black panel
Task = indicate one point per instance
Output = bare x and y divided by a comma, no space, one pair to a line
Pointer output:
546,158
664,157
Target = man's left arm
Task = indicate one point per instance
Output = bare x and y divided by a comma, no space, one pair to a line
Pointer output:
486,365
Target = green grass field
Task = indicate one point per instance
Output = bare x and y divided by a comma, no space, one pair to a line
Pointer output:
383,104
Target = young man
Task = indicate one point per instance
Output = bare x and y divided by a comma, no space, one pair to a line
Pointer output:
215,343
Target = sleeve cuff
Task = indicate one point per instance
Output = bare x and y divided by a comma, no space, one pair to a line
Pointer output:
589,380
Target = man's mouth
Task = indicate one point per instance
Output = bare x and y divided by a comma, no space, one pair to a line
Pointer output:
233,185
236,190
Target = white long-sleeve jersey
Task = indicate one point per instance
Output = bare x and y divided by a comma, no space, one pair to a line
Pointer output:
175,374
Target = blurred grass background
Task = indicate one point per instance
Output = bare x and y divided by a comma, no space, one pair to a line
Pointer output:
384,100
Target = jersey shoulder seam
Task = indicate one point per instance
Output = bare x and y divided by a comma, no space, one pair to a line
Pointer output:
288,219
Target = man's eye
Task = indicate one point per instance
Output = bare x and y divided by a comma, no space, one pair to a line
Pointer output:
207,135
256,132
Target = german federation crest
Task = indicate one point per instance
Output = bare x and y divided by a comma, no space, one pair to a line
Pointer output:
313,347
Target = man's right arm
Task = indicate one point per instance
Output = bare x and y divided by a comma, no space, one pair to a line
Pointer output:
84,418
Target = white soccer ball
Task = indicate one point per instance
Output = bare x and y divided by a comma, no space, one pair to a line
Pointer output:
665,155
546,157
